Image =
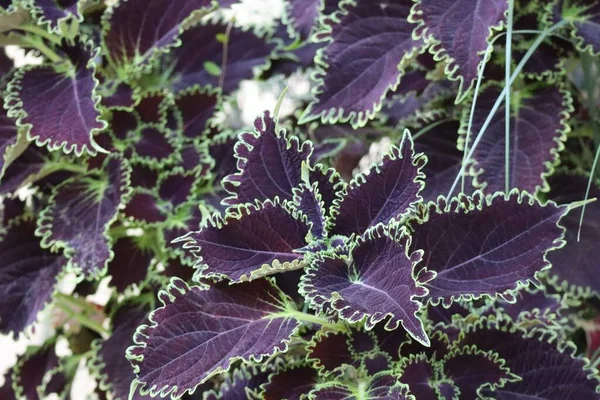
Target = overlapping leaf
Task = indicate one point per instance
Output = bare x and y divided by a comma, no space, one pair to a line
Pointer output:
458,32
74,116
380,387
380,281
537,133
130,264
32,368
134,30
269,164
546,369
574,266
193,65
199,333
80,212
472,371
293,381
196,107
242,383
28,275
488,246
109,363
367,45
585,27
249,243
53,13
387,192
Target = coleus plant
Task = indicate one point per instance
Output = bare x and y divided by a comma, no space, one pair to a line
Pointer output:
327,253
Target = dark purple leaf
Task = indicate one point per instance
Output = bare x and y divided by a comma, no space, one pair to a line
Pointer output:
532,305
405,110
439,344
443,159
380,282
484,247
154,147
291,383
363,60
174,267
176,186
472,370
298,59
388,191
29,163
249,243
221,149
376,362
152,107
31,369
537,134
419,372
197,106
326,149
269,164
242,383
54,12
121,96
143,176
390,341
80,213
73,118
28,274
137,29
328,351
110,364
143,206
308,200
575,266
458,31
199,333
246,53
330,184
548,370
130,264
302,15
123,124
362,342
10,208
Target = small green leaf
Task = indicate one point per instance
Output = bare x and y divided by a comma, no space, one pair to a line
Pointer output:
212,68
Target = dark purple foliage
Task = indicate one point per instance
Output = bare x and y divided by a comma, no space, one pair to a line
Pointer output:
249,244
292,383
269,164
246,51
28,274
73,120
482,255
459,30
215,327
80,213
130,264
360,63
537,133
139,28
381,282
389,191
110,362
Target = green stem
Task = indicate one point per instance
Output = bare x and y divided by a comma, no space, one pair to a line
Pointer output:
38,44
66,304
312,319
507,84
538,41
41,32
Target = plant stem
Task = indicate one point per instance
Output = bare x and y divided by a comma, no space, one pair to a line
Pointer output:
538,41
312,319
38,44
507,84
429,128
41,32
66,304
488,53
